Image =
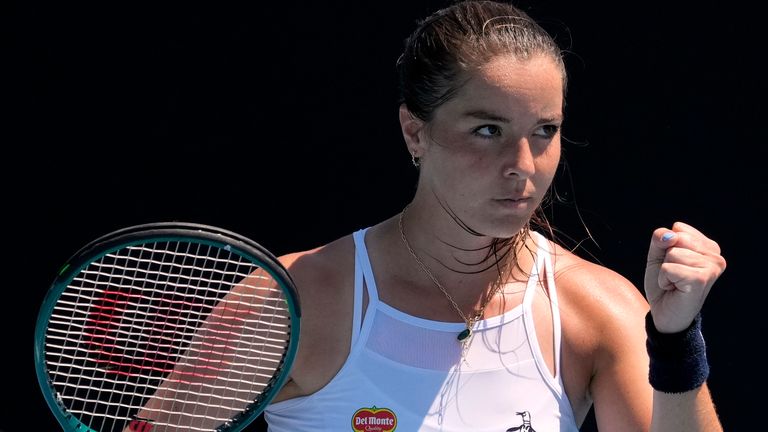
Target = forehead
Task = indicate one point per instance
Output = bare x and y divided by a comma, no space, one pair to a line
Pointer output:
510,71
507,82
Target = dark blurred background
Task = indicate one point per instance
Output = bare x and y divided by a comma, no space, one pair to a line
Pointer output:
278,120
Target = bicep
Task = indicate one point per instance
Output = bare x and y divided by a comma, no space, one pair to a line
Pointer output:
620,390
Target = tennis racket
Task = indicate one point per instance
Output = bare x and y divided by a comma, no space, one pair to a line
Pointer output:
166,327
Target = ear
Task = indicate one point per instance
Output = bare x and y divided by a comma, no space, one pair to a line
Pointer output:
412,128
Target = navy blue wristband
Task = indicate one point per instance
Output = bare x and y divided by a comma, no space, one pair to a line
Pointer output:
678,360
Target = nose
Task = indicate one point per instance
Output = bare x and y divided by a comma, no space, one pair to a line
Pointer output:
518,159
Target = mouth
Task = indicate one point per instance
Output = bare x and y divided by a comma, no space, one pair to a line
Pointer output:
514,203
514,199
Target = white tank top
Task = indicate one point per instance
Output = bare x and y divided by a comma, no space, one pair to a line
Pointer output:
407,374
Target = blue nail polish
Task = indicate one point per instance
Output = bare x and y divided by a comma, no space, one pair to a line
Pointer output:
668,236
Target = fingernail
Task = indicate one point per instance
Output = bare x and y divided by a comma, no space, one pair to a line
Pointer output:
668,236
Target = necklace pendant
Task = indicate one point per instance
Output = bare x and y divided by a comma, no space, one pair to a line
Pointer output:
464,334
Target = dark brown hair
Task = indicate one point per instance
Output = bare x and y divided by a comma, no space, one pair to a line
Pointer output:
459,39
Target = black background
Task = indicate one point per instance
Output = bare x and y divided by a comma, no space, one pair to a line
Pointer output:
279,121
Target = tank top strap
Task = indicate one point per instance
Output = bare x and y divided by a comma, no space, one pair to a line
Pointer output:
545,256
363,281
539,266
542,274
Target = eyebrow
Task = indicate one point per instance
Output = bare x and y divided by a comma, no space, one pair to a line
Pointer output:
485,115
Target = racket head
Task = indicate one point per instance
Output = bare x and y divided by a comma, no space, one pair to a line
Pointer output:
106,341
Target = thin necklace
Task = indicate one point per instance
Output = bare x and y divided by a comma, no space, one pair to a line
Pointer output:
471,320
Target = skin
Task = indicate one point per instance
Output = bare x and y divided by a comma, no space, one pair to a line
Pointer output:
499,166
495,142
489,155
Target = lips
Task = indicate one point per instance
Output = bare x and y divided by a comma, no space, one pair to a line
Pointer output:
514,199
514,202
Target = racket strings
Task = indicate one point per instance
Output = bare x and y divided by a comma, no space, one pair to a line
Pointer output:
198,330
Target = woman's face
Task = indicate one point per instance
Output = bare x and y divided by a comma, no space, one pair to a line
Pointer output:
490,153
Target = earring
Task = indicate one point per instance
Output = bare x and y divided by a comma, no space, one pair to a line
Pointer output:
414,160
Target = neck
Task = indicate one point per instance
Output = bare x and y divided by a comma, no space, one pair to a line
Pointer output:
464,265
445,244
466,303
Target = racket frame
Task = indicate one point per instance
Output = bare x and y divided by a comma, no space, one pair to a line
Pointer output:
160,232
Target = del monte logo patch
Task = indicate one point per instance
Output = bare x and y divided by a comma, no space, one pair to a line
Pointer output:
374,420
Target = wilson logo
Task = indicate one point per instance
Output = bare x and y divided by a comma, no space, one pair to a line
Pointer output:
140,426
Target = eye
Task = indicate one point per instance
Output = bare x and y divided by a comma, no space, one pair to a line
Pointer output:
487,131
547,131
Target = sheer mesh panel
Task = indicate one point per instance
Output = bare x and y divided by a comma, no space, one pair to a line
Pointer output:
433,345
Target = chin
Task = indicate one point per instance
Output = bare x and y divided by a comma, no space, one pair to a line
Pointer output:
505,228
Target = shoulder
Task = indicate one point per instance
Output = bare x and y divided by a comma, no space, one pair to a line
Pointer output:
324,279
321,267
602,311
595,288
602,316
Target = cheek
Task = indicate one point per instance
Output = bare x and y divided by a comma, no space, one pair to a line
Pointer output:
549,160
454,158
460,177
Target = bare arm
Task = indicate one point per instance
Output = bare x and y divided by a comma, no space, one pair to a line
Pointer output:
623,397
683,264
689,411
625,401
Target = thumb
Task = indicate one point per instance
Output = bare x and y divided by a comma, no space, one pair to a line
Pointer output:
661,241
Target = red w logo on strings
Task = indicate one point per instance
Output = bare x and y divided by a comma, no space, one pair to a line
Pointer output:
140,426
